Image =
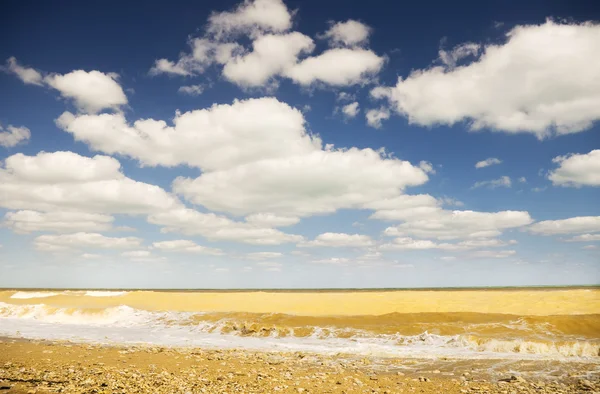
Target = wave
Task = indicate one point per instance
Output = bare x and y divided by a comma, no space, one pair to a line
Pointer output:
92,293
124,324
32,294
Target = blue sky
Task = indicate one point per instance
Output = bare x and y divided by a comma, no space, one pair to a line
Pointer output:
299,144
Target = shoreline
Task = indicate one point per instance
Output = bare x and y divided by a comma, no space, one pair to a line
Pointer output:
40,366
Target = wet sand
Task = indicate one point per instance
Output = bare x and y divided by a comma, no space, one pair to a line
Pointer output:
50,367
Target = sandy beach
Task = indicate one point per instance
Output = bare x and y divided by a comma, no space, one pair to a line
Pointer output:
52,367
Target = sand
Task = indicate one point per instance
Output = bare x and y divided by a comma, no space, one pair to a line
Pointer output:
51,367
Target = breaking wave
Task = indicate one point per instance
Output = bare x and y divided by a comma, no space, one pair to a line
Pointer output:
124,324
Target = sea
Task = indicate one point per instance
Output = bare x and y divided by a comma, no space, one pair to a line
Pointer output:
558,324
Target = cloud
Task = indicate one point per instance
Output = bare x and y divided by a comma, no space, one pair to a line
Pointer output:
451,58
219,228
339,240
191,90
522,180
376,116
350,110
28,75
263,255
271,220
92,91
585,238
574,225
487,162
576,170
82,240
271,55
66,181
332,260
408,243
13,135
429,221
347,33
337,67
251,17
345,96
137,254
270,266
219,137
187,246
24,222
427,167
492,254
542,80
590,247
503,181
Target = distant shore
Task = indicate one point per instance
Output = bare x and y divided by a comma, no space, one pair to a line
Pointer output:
47,367
311,290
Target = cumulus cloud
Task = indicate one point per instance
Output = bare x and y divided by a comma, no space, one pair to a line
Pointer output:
347,33
191,90
263,255
67,242
487,162
577,170
493,254
332,260
24,222
408,243
574,225
29,76
12,135
427,167
252,16
276,52
376,116
91,91
585,238
350,110
219,228
542,80
66,181
271,220
503,181
187,246
339,240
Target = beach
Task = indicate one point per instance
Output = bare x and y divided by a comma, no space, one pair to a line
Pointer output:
442,341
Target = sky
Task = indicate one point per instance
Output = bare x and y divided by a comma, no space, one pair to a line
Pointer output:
288,144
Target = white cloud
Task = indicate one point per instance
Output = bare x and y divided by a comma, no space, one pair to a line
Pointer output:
580,224
90,256
577,170
585,238
24,222
137,254
332,260
427,167
252,17
503,181
191,90
271,220
319,182
270,265
219,228
28,75
65,242
219,137
590,247
351,110
337,67
451,58
13,135
263,255
347,33
187,246
271,55
487,162
430,222
375,116
492,254
345,96
92,91
543,80
66,181
408,243
339,240
522,180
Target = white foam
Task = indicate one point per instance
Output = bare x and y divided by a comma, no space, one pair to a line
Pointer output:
104,293
32,294
123,324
